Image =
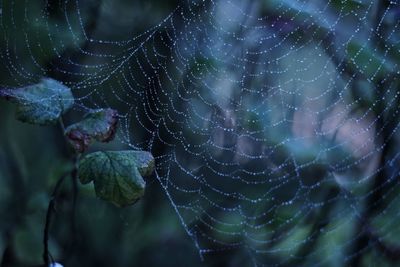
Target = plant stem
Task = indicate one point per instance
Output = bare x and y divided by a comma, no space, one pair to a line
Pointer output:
62,125
74,177
47,258
50,210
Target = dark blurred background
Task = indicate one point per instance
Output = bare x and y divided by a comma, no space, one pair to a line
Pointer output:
274,125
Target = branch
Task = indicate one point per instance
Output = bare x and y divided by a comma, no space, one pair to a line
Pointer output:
50,210
74,177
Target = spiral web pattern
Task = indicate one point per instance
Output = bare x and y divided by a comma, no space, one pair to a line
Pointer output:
274,123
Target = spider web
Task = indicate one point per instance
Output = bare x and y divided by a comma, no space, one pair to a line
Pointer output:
274,123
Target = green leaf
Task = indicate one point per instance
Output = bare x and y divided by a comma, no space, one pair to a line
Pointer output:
99,124
117,175
42,103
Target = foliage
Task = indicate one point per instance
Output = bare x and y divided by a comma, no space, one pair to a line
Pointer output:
42,103
117,175
99,125
274,125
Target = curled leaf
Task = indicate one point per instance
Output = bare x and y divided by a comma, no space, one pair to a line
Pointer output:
117,175
42,103
99,125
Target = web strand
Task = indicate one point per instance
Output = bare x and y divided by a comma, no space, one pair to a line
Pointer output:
270,120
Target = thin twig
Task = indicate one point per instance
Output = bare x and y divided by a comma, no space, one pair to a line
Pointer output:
74,177
50,210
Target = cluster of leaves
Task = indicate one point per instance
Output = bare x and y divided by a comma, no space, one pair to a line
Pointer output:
117,175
